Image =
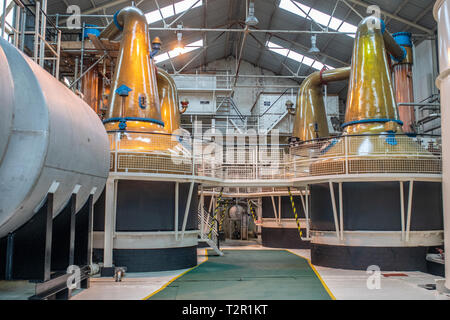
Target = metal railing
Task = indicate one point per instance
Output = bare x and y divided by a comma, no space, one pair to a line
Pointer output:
345,155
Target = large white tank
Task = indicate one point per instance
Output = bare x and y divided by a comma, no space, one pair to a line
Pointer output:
442,15
47,134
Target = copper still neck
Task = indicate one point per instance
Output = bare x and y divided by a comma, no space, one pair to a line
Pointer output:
371,106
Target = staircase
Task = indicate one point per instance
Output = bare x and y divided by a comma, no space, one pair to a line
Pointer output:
227,109
209,233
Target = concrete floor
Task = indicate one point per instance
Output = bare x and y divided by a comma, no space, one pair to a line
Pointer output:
343,284
134,286
352,284
16,290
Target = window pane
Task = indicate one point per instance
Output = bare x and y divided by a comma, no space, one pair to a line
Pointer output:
186,4
289,6
161,57
295,56
168,11
318,16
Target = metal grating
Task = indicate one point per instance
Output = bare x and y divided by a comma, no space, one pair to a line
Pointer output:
334,156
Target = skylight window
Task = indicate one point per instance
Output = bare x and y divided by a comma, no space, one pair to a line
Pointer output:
179,51
296,56
318,16
172,10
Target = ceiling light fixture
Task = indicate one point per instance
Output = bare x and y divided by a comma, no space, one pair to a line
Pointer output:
179,36
251,19
314,49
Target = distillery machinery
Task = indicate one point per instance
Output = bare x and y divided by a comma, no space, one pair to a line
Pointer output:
403,84
311,121
150,216
279,228
386,211
54,162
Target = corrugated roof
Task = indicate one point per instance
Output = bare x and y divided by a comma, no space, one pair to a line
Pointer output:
335,49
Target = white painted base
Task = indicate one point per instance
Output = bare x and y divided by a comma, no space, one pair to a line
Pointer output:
148,240
378,238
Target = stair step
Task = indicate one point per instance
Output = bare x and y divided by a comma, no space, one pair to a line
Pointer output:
212,245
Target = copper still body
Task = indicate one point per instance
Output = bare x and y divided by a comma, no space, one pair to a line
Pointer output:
134,102
373,139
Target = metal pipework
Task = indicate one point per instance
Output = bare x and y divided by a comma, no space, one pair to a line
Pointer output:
311,120
371,102
90,89
403,82
168,95
396,50
184,106
134,102
48,136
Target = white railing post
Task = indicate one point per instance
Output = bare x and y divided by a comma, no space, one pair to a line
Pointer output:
346,153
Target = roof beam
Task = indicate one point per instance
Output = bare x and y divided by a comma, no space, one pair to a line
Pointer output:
421,15
399,8
325,47
205,43
241,53
109,4
304,24
263,47
394,16
227,41
276,4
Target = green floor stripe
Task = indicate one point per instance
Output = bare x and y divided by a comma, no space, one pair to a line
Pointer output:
247,275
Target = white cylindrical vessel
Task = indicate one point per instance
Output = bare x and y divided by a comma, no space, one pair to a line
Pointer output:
442,15
48,136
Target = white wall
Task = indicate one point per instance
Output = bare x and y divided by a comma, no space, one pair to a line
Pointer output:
252,95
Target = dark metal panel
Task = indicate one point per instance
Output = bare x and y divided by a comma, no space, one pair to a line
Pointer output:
99,213
83,230
63,237
375,206
146,260
145,206
360,258
31,256
321,208
427,210
192,217
150,206
288,238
